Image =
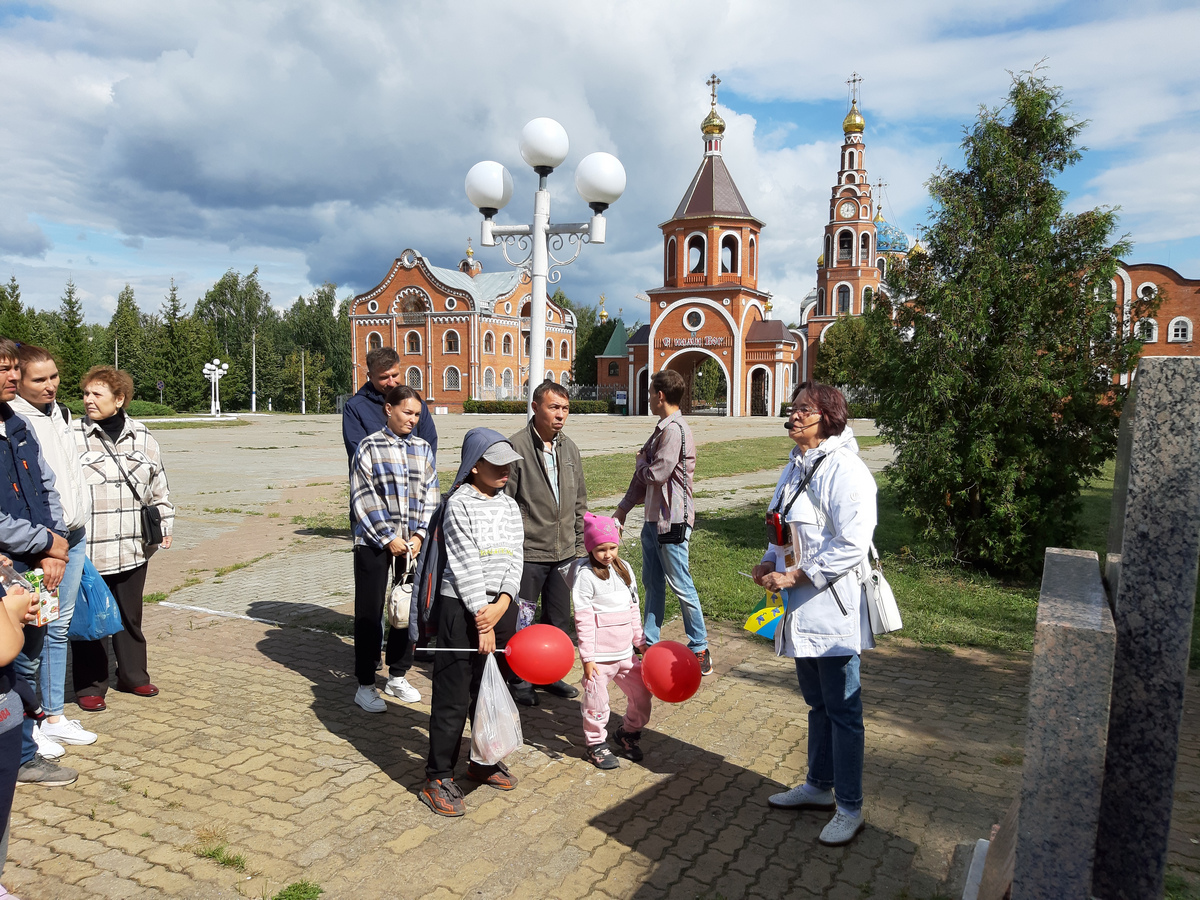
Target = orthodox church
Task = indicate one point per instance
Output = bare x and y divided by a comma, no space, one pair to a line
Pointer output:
461,333
709,306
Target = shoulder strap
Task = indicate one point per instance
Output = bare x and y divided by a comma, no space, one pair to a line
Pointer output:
112,452
800,490
65,410
682,458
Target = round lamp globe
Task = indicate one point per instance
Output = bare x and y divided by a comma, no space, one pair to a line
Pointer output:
488,185
600,178
544,144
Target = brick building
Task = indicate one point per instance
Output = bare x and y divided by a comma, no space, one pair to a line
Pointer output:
1172,330
461,333
709,305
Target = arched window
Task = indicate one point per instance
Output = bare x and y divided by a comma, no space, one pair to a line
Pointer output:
374,341
864,258
1180,331
564,351
412,342
489,378
850,179
413,379
451,341
1147,331
882,267
671,259
453,379
526,345
506,382
695,247
506,345
549,376
729,255
821,302
843,299
866,300
845,247
752,261
549,349
614,369
850,160
565,378
489,343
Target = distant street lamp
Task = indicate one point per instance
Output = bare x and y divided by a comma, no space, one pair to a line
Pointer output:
214,372
599,179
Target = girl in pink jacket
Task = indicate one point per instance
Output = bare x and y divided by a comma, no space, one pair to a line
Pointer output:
608,623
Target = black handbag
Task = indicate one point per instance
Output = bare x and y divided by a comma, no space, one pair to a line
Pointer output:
678,532
151,517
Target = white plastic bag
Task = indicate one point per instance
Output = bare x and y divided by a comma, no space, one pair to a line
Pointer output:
496,731
399,600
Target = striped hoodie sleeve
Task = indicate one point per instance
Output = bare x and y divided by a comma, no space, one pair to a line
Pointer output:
462,556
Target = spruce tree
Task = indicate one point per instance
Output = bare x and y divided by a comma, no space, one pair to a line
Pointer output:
14,323
999,380
72,345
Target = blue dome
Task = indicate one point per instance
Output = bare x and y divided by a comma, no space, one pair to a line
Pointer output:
889,238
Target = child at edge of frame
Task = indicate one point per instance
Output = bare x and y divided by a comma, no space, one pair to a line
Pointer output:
608,622
476,610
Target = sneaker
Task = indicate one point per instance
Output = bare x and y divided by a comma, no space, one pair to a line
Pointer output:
67,731
498,776
5,895
368,698
523,693
803,797
444,797
40,770
601,757
842,828
628,743
705,659
397,686
45,746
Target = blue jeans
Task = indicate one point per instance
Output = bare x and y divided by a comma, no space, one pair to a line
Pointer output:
836,736
664,564
53,675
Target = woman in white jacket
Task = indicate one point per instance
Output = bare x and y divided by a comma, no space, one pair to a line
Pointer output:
819,528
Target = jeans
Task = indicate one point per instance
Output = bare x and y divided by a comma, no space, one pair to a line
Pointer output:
53,675
372,568
836,735
664,564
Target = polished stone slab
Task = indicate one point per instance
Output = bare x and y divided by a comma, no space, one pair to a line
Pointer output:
1066,730
1154,547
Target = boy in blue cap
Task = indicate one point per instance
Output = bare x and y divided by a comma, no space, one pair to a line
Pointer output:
476,610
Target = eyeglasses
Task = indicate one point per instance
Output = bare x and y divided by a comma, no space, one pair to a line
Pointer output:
803,410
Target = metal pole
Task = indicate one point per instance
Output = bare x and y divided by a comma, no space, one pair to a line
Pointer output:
217,390
302,411
537,296
116,353
254,370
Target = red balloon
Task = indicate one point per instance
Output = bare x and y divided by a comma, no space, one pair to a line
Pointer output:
671,671
540,654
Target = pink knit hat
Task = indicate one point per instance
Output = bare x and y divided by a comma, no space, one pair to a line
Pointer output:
599,530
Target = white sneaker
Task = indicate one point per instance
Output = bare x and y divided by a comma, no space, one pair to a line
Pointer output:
45,746
68,731
399,688
802,797
842,828
368,698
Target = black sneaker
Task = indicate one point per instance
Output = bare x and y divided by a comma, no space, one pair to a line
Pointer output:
40,770
443,796
628,743
705,662
601,757
523,693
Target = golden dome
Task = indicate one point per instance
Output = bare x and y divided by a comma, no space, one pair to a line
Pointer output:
712,124
853,123
918,248
879,216
820,260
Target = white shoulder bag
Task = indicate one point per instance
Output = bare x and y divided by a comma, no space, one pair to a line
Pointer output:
399,601
881,602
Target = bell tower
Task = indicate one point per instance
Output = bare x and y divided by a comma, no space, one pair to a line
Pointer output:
847,269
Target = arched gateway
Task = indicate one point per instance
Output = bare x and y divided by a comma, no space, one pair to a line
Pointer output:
709,308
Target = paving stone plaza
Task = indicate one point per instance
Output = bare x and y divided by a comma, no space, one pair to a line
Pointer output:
255,750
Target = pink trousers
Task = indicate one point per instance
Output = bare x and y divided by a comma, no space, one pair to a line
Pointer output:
627,673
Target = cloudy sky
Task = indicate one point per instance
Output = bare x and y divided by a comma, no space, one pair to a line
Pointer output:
141,141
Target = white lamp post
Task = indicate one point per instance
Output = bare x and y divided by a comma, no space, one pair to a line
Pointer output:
599,179
214,372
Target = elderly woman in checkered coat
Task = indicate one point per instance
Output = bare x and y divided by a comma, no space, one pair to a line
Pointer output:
123,470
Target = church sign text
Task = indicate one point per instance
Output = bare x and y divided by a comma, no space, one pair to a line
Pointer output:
707,341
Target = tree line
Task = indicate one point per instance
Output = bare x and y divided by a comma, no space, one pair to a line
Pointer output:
234,322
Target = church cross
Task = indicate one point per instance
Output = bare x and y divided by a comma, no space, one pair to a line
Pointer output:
712,82
854,81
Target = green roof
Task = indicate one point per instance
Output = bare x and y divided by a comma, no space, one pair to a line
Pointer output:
616,344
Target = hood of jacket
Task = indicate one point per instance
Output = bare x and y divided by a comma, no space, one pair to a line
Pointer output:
368,391
831,444
475,444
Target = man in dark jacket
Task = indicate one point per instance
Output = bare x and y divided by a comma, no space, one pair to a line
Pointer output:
547,483
363,413
33,534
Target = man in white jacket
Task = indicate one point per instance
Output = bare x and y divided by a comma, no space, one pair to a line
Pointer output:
36,400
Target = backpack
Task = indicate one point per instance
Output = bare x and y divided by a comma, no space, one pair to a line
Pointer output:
427,577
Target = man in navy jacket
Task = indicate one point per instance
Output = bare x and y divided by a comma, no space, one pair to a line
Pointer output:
363,413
